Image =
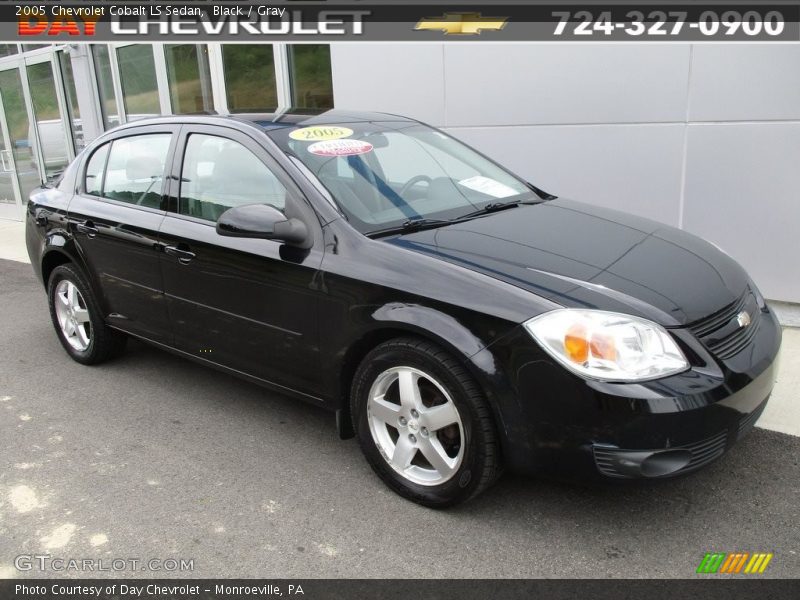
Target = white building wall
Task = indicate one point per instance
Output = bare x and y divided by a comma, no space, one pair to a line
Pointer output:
705,137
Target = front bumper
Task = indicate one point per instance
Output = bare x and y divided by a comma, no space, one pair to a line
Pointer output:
571,426
625,463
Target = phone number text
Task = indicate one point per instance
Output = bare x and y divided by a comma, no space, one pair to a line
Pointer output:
658,23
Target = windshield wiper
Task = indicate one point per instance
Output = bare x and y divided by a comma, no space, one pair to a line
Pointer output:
412,225
492,207
416,224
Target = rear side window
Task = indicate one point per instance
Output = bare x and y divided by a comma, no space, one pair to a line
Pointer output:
95,169
219,173
68,180
135,170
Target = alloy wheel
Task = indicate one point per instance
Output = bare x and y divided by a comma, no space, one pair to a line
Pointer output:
415,425
73,315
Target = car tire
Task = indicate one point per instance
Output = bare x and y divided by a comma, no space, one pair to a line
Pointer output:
405,434
78,319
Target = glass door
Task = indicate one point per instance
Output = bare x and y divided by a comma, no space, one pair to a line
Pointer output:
38,136
19,172
10,194
53,130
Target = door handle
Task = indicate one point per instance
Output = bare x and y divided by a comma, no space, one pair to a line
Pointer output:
184,256
7,160
88,228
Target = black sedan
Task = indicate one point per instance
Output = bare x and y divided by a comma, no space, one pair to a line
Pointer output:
457,319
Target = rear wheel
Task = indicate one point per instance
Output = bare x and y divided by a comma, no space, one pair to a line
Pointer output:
78,319
423,423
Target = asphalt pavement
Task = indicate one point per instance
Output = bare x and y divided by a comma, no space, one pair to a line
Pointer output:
153,457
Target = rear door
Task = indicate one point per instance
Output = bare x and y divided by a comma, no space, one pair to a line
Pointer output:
247,304
115,219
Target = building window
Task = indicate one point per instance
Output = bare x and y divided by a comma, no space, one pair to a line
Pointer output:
310,72
137,73
73,109
105,86
189,78
249,77
7,49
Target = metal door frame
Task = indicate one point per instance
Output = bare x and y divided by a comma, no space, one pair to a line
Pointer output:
9,210
48,57
15,62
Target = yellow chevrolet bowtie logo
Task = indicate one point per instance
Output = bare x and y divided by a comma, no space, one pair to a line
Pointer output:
461,23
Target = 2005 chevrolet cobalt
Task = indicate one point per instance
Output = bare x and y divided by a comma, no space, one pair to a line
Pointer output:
457,318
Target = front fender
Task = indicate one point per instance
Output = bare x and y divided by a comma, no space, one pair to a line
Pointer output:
369,325
475,353
471,345
429,322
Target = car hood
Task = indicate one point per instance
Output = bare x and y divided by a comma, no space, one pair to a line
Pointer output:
582,256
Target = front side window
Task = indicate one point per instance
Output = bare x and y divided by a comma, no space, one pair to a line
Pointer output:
383,174
219,173
136,166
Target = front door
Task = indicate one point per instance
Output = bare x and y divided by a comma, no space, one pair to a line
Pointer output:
247,304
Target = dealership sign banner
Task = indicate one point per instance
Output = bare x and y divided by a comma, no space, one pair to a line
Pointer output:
71,21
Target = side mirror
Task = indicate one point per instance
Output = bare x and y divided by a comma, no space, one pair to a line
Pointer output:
264,222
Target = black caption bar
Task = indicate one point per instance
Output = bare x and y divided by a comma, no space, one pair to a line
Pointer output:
397,589
50,21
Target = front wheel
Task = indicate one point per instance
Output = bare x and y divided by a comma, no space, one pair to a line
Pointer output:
423,424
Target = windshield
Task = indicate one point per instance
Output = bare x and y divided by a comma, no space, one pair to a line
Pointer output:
385,174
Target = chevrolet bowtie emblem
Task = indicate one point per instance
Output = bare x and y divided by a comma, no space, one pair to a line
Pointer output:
743,318
461,23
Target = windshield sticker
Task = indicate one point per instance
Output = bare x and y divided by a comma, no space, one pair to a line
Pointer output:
488,186
320,133
340,148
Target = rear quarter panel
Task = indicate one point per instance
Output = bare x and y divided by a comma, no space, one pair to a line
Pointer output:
46,227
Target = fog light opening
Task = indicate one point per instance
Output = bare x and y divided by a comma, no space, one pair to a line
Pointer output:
665,462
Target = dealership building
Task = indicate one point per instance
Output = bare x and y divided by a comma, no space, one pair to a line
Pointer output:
705,137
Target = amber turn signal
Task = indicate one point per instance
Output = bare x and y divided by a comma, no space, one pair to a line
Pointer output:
576,345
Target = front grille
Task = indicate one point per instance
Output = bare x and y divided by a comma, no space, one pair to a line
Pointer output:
721,332
703,452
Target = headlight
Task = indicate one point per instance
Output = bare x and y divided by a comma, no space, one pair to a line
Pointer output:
607,346
762,304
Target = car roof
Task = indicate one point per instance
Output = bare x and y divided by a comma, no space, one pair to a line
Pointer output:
278,119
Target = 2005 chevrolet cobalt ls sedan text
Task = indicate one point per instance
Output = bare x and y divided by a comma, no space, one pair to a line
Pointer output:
456,318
